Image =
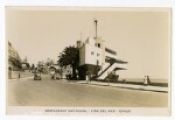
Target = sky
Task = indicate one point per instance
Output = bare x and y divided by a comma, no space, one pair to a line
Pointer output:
140,36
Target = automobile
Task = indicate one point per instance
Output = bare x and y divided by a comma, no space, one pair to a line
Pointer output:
37,76
57,76
52,74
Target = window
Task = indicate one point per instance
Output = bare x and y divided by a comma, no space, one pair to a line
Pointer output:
92,53
98,54
99,45
97,62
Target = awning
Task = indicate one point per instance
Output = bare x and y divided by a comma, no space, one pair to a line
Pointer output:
113,60
119,68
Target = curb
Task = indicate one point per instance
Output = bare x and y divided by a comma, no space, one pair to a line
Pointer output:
131,87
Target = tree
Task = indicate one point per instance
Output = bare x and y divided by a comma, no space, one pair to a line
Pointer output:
15,62
25,60
49,62
69,56
40,66
13,57
32,67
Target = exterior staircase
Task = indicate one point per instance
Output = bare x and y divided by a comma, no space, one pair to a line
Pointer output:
108,68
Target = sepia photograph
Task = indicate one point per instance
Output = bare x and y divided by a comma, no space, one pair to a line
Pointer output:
83,60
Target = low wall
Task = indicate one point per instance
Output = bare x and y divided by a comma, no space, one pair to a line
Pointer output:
17,74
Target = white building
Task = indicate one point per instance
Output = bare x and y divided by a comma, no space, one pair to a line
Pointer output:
96,60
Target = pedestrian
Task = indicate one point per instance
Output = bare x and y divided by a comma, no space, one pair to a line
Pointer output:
145,80
148,79
19,76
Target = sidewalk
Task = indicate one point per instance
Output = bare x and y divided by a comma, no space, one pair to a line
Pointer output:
22,78
127,86
23,75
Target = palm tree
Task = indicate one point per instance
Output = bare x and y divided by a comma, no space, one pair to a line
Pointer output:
69,56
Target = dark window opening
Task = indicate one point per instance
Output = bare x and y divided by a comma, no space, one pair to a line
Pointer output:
98,45
97,62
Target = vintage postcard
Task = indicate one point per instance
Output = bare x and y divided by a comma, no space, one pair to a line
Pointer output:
88,61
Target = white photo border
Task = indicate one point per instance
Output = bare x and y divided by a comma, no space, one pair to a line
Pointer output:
82,3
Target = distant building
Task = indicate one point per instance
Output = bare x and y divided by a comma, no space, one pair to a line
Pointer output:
56,71
54,67
96,60
25,66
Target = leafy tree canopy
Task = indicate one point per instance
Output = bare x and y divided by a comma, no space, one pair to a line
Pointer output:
69,56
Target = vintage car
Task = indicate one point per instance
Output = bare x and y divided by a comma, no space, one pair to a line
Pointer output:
37,75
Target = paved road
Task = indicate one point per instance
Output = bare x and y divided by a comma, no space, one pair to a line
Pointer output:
27,92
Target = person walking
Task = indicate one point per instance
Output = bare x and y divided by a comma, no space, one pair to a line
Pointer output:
145,80
148,79
19,75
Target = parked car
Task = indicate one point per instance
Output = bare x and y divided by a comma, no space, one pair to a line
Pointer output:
52,74
37,76
57,76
